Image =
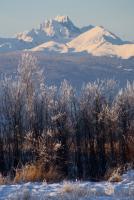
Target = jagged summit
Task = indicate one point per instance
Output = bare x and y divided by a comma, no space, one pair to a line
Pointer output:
60,25
59,29
62,18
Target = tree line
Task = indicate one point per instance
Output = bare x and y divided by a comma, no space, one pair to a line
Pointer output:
81,134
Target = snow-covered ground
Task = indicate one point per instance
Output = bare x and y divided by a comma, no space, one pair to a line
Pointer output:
123,190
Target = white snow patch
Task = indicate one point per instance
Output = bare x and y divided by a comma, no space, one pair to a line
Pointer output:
128,69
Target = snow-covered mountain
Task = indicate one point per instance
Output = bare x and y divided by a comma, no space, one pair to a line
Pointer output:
62,36
100,42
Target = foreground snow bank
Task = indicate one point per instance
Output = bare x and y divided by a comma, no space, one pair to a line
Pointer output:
71,191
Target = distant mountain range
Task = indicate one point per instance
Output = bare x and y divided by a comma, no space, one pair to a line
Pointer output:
60,35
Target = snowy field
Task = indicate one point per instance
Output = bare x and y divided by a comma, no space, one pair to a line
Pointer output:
123,190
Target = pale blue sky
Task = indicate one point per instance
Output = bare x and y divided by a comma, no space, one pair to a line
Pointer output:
115,15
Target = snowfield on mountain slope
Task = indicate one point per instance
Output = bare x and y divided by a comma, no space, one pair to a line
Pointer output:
123,190
51,46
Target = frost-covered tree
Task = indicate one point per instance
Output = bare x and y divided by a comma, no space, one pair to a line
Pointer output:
125,109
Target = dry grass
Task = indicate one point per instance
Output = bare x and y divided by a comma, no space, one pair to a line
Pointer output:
29,173
115,178
2,180
114,175
74,190
35,173
53,175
